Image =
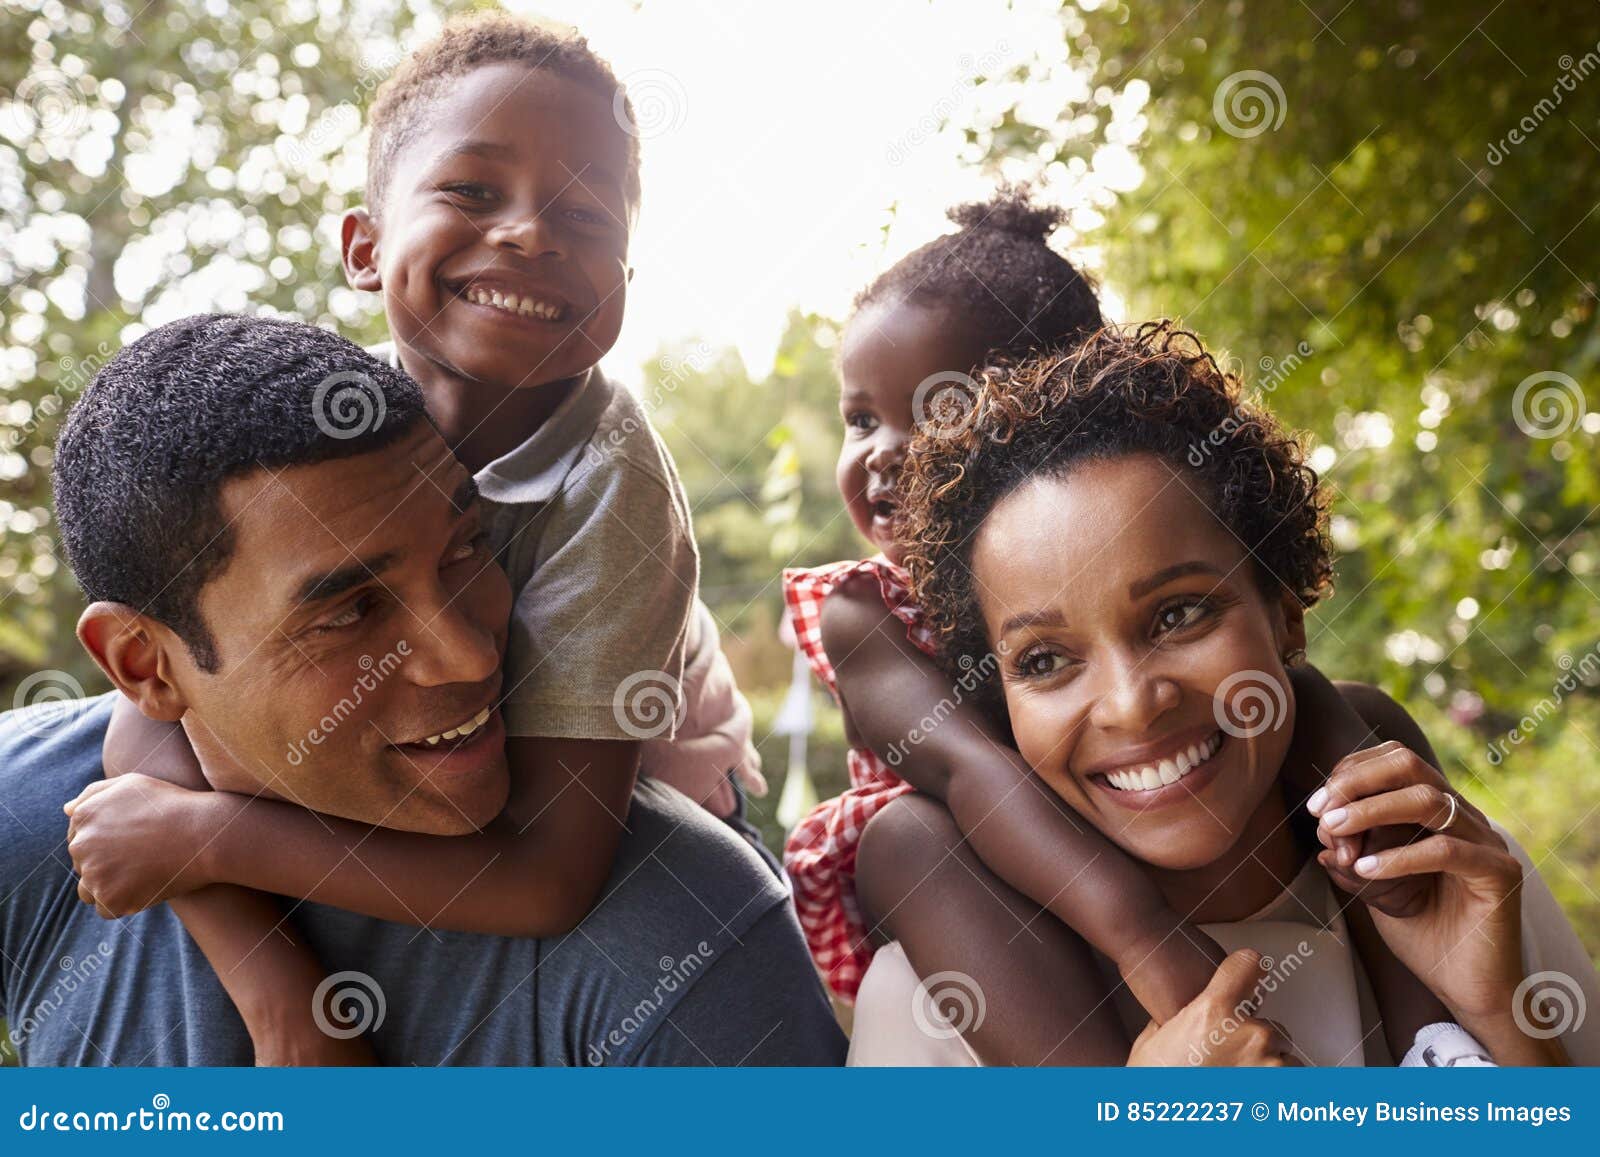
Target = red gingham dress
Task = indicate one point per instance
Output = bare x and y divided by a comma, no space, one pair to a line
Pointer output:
820,855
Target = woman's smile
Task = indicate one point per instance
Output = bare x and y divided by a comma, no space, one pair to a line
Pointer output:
1174,770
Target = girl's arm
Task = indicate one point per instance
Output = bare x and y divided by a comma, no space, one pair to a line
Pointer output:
269,973
536,872
1010,818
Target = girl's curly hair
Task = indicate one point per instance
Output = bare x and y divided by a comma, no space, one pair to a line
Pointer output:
1149,389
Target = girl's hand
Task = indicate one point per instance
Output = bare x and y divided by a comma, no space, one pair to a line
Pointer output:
1465,940
1218,1027
136,841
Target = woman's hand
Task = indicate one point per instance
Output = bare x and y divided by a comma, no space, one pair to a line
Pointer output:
136,841
1219,1027
1465,939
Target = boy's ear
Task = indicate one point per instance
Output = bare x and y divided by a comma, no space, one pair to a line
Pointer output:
131,649
358,244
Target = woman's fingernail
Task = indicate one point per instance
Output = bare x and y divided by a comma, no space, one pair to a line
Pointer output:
1336,817
1318,801
1366,865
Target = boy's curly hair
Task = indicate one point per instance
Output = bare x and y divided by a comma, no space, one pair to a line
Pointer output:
1000,273
1150,389
471,41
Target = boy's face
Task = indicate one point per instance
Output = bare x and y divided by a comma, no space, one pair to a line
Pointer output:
512,190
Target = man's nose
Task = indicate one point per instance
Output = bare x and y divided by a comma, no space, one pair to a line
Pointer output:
450,647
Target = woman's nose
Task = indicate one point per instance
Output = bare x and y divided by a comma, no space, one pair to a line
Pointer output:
1135,694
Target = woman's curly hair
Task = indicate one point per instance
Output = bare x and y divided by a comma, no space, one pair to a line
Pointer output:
1149,389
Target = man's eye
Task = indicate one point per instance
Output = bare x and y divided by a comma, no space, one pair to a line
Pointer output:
349,617
470,549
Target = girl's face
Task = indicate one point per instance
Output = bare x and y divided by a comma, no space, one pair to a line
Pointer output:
888,351
1132,627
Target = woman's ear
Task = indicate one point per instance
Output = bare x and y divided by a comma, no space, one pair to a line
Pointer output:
1293,639
358,244
131,649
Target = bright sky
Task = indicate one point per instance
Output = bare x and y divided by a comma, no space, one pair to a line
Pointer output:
781,140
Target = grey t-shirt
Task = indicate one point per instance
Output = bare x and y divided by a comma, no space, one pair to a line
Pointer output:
692,957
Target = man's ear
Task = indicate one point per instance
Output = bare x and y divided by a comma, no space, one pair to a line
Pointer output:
358,243
132,649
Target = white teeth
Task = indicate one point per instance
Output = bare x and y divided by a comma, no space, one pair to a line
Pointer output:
512,303
465,729
1167,771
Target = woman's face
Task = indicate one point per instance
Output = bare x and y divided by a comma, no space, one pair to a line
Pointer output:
1142,667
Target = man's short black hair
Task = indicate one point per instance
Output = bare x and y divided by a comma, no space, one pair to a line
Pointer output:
143,455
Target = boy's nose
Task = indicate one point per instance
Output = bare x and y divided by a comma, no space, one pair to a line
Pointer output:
529,235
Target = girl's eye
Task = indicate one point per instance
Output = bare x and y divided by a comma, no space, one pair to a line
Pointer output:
861,421
1178,616
1038,664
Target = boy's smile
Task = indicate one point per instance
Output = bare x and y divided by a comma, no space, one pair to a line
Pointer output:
501,247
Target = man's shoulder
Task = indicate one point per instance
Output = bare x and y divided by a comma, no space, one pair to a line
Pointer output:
48,753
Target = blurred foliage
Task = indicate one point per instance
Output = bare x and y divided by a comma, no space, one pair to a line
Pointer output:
184,150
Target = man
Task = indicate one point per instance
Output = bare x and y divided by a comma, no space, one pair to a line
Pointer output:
235,477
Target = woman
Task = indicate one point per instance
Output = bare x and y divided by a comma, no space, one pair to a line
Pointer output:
1138,549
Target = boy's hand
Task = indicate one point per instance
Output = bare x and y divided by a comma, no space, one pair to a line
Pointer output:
1219,1027
135,841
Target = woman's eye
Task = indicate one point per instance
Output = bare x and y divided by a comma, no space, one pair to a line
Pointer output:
1177,616
1038,664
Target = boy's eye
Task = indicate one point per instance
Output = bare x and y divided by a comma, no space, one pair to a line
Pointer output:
470,191
588,217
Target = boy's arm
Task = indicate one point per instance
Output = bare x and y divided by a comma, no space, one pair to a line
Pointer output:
536,871
1009,817
269,973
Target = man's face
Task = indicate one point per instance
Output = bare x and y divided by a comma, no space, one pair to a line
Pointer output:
503,238
359,614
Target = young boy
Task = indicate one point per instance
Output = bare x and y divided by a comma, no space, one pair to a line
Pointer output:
502,188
